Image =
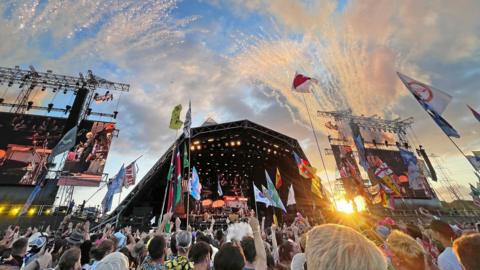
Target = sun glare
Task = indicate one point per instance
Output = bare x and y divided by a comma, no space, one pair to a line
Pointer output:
347,207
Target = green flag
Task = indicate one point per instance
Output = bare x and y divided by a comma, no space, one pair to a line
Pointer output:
186,163
274,194
175,122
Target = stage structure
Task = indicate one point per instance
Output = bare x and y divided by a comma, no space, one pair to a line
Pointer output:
233,156
30,131
384,160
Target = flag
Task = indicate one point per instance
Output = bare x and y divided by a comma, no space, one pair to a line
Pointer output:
186,162
170,181
117,182
266,193
178,174
277,202
475,113
384,172
219,188
433,101
66,143
130,174
175,122
431,170
316,187
475,191
30,199
474,161
278,180
361,151
435,98
387,198
259,196
188,121
304,167
195,186
291,196
275,220
301,83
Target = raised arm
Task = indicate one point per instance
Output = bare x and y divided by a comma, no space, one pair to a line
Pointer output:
274,243
261,258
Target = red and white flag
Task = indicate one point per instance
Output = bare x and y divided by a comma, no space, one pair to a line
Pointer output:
302,83
436,99
130,175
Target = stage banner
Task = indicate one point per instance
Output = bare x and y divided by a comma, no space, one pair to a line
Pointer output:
349,171
389,167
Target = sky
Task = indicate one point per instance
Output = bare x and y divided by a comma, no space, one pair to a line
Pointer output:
236,59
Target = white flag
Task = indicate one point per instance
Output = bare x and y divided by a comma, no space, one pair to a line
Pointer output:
291,196
435,98
259,196
219,187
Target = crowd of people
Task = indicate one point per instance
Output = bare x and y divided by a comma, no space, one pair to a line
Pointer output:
244,245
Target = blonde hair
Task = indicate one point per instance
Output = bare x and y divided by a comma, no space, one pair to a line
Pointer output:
404,246
332,246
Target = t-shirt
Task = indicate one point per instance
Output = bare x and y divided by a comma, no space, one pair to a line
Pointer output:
179,263
448,261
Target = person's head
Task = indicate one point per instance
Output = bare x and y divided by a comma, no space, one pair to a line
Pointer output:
113,261
229,257
70,260
219,236
156,248
286,251
19,247
75,239
184,240
408,254
248,246
102,250
332,246
414,231
466,249
173,244
200,255
442,232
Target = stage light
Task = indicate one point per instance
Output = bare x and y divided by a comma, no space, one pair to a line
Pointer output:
210,140
2,209
14,211
48,211
115,113
199,147
192,148
239,143
196,142
49,107
31,211
232,143
29,105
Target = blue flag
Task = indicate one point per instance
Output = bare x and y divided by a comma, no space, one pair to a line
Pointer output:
68,141
30,199
117,182
195,186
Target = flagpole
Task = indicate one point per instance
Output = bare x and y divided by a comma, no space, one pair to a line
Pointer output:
318,146
188,177
169,181
255,198
460,150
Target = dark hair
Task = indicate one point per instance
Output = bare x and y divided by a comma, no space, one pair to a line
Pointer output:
248,246
173,244
219,235
204,238
414,231
69,258
85,248
443,229
285,251
101,250
199,252
156,247
19,246
229,257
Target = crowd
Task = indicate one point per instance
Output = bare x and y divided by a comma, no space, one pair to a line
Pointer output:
244,245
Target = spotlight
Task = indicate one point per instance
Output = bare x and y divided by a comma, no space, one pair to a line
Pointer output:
239,143
49,107
199,147
115,113
2,209
29,105
192,147
31,211
48,211
14,211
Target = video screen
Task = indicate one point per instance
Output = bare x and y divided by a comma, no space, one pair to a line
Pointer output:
390,163
348,168
26,142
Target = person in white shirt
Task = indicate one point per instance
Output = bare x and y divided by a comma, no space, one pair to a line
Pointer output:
443,233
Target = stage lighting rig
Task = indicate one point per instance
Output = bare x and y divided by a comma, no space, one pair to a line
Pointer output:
48,80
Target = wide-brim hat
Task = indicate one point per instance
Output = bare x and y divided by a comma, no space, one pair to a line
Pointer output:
75,238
